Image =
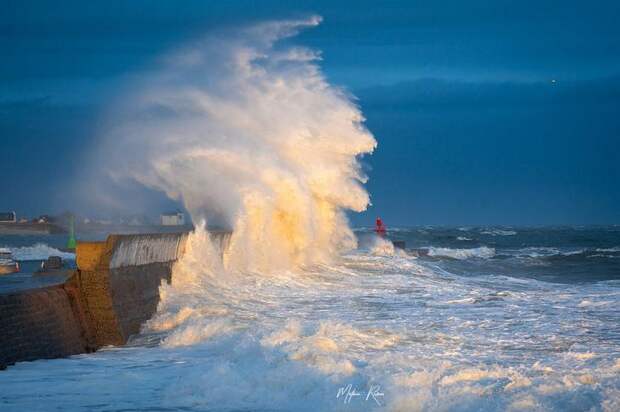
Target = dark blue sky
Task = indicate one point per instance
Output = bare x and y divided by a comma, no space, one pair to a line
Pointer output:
471,128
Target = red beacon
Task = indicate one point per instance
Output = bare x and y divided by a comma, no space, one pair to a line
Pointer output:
380,228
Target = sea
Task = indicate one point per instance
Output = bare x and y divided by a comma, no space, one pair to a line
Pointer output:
461,319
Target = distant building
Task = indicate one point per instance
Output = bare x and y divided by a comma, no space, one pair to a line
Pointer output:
8,217
173,219
136,220
42,219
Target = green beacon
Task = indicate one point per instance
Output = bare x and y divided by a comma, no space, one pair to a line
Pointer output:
71,241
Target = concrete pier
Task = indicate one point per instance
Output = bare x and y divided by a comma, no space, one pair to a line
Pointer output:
114,290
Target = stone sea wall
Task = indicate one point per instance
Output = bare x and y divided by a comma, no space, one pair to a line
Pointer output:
39,323
112,293
29,228
119,282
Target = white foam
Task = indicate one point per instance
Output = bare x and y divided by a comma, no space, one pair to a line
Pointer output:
536,252
589,304
482,252
472,374
498,232
611,249
39,251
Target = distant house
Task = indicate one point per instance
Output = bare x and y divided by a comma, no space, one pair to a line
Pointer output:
8,217
173,219
42,219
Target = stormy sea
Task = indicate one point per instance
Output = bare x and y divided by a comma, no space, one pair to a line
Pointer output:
470,318
298,311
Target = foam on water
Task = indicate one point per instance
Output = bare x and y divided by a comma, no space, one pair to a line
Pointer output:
551,252
610,249
39,251
389,320
291,339
483,252
498,232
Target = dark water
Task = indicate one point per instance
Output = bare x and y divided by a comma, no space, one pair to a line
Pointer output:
552,254
30,251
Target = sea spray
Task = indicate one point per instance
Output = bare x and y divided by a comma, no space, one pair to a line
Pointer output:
246,131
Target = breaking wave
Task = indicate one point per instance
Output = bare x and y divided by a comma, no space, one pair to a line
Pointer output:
39,251
552,252
498,232
615,249
482,252
247,133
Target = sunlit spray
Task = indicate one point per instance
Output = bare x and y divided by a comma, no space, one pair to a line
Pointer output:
242,128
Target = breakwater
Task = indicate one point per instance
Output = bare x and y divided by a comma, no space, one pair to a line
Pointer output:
114,290
30,228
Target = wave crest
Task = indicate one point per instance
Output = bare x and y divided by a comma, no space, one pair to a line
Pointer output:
38,251
482,252
247,133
